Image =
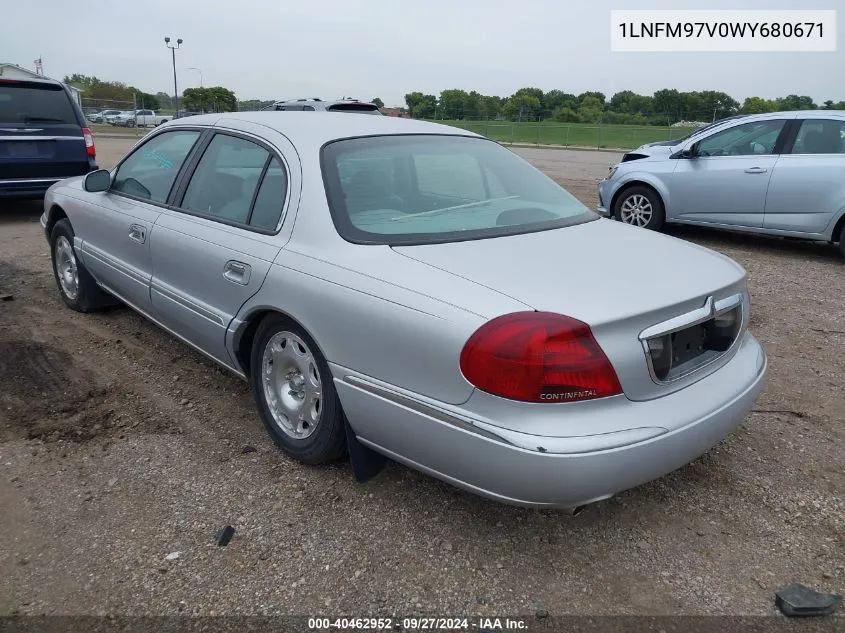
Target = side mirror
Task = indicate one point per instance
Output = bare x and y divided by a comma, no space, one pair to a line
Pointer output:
99,180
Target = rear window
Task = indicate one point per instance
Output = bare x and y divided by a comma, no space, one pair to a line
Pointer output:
425,189
24,102
365,108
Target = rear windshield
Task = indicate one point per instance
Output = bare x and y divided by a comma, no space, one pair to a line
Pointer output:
365,108
425,189
24,102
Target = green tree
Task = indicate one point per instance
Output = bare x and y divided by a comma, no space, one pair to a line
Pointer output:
214,99
796,102
378,102
451,104
522,107
596,95
590,110
758,105
565,114
668,104
421,106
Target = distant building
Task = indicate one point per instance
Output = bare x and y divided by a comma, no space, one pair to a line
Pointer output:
395,112
13,71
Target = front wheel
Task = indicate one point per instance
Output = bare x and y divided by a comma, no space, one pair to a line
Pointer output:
78,288
293,388
640,206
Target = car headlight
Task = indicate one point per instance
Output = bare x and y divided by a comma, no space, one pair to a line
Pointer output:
612,172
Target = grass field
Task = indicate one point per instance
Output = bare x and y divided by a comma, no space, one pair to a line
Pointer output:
571,134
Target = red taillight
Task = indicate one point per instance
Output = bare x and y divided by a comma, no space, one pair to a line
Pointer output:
538,357
89,142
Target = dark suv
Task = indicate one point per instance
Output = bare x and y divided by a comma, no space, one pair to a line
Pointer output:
43,138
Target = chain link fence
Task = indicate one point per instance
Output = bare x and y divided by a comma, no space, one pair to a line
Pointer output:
598,136
122,116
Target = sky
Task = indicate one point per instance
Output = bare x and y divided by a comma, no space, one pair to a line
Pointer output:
278,49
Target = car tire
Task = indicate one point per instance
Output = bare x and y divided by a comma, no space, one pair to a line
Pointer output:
77,287
295,394
842,240
640,206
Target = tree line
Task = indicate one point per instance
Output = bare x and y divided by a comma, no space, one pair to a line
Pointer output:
116,94
664,107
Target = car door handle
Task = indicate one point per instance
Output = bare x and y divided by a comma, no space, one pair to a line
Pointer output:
756,170
237,272
138,233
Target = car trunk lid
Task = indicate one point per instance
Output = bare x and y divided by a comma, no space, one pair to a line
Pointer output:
618,279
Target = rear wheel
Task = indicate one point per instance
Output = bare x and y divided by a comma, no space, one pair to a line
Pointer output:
77,287
640,206
295,394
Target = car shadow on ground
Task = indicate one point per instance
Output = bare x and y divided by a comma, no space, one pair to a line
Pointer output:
762,244
14,211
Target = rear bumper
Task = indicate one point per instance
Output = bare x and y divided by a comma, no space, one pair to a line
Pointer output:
26,187
37,187
562,472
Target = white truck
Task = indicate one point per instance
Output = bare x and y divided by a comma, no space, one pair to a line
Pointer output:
140,118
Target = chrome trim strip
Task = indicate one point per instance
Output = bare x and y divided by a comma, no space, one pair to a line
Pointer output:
186,303
104,259
711,309
31,181
423,408
42,138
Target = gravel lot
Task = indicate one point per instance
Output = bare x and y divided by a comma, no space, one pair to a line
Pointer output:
120,446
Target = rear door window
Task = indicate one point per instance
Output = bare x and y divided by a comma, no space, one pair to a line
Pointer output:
30,102
820,136
226,179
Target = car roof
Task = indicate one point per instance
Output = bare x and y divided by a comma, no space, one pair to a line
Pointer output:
318,128
32,80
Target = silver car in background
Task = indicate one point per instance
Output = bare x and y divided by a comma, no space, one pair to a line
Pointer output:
403,289
779,174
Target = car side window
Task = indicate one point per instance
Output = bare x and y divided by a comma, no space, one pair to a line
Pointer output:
748,139
226,178
150,170
270,200
308,108
820,136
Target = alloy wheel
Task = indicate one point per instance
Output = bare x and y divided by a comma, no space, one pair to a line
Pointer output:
636,210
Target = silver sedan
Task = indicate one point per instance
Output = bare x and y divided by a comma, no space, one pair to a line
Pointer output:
393,288
777,174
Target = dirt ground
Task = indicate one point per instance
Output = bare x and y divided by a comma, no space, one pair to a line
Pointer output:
120,446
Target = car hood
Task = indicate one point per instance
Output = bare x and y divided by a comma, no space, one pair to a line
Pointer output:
599,272
655,151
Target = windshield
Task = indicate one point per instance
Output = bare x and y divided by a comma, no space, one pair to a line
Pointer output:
423,189
24,102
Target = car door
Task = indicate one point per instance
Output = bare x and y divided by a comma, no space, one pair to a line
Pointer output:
213,249
807,190
115,227
725,178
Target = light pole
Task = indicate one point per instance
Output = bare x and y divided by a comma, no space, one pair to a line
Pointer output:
173,55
